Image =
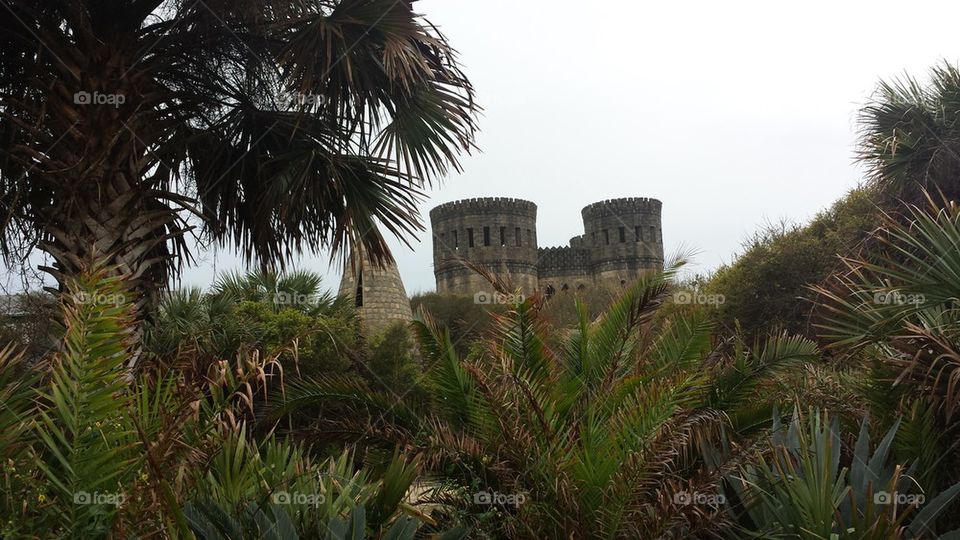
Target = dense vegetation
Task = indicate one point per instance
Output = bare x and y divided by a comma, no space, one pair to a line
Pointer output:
819,400
646,422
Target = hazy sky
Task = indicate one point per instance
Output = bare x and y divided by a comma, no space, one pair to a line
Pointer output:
731,113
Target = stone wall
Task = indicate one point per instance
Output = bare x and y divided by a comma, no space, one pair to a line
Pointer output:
378,293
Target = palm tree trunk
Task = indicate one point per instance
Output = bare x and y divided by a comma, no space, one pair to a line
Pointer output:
115,225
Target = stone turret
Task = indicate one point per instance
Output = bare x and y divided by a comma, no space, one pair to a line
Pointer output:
622,238
498,233
377,293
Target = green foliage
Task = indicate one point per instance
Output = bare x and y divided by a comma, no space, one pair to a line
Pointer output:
560,310
93,450
286,315
765,289
593,429
295,126
466,319
275,491
87,437
908,136
896,313
798,488
391,360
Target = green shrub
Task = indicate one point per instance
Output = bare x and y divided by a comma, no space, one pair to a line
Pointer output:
765,289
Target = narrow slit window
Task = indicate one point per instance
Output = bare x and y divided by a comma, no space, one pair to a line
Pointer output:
470,237
503,236
486,236
358,297
516,233
606,237
623,234
638,233
653,234
456,241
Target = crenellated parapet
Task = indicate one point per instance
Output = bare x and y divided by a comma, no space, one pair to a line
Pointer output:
627,205
563,261
622,238
492,206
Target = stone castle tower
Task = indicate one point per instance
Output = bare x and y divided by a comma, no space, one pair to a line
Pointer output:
622,238
378,293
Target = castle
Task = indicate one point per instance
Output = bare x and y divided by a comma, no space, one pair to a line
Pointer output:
622,238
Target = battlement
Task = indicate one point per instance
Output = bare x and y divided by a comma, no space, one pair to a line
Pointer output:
628,205
493,206
566,259
620,239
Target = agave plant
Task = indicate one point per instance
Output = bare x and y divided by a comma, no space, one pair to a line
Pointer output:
276,492
798,488
592,432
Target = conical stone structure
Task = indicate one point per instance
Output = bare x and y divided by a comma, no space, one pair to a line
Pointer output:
377,293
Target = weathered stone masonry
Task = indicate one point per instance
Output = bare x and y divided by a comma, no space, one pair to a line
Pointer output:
378,293
622,238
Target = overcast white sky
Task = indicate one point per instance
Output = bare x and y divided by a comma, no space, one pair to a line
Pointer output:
731,113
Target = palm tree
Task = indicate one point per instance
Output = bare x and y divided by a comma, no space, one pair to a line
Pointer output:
282,125
87,454
598,429
910,140
893,316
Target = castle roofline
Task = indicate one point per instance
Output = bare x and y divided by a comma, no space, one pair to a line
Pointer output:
622,205
483,205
